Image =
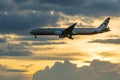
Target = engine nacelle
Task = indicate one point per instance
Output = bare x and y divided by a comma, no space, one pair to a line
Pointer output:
62,36
58,32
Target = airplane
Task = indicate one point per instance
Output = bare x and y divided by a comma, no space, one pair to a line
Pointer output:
68,32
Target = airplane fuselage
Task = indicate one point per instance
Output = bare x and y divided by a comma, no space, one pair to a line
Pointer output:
57,31
68,32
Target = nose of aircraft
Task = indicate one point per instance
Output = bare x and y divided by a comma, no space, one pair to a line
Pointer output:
32,32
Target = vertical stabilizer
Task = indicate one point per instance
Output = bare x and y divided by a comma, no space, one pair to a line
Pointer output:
103,25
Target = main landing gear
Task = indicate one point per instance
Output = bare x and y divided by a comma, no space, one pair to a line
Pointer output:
70,36
35,36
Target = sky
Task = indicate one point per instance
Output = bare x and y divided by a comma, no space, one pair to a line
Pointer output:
24,58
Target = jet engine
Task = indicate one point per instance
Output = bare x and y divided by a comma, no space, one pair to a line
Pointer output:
59,33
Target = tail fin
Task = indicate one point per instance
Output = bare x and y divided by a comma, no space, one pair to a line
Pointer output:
104,24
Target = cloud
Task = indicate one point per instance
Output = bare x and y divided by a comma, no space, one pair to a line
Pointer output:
21,21
16,53
73,55
20,1
109,55
110,76
16,70
12,74
40,38
6,5
114,36
7,69
3,67
84,7
2,40
104,66
21,16
50,57
47,43
40,56
13,47
27,66
97,70
106,41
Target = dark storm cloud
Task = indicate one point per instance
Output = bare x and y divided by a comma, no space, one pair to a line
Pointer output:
63,2
106,41
86,7
20,1
20,21
70,7
6,5
18,16
97,70
16,53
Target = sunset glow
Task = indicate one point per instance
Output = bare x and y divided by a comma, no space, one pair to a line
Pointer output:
24,58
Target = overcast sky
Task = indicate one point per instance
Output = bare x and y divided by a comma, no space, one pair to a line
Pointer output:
21,55
18,16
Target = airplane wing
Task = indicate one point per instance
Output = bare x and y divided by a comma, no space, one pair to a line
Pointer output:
68,32
69,29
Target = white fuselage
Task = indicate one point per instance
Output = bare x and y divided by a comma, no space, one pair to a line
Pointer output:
57,31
